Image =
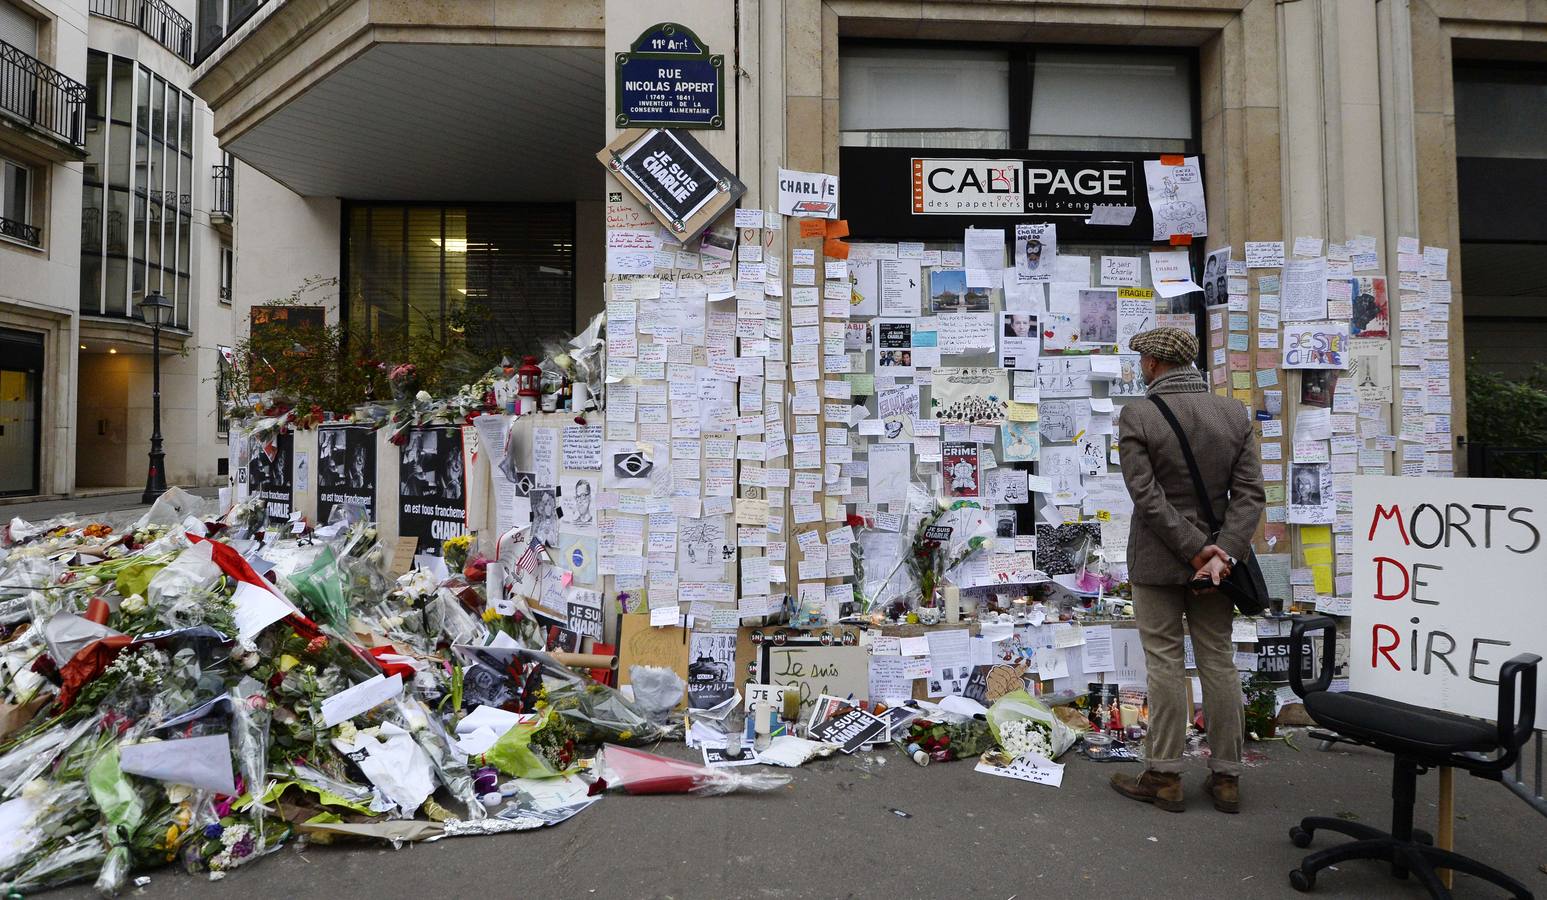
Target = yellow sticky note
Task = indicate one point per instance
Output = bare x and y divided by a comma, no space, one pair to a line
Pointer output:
1321,579
1244,396
1021,412
1103,515
1319,555
1241,380
1315,534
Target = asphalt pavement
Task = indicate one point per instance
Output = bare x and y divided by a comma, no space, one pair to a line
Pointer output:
876,825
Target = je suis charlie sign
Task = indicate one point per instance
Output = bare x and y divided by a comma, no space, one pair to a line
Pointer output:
685,186
670,79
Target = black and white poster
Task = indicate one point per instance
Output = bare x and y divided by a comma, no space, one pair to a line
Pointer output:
346,469
432,487
268,474
1274,655
711,668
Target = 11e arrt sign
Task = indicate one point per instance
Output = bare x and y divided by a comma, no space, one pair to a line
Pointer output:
1450,582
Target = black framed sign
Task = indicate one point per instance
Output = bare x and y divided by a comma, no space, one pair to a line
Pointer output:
669,78
682,183
902,192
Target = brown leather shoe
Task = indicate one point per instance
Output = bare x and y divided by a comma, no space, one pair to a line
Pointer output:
1225,791
1163,789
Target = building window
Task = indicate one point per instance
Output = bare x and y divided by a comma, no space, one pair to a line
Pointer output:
498,276
1098,100
137,190
227,267
16,204
224,356
1017,97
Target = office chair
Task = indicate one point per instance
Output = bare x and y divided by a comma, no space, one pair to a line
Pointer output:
1420,739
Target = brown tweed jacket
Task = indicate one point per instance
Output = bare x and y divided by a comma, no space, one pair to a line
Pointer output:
1168,527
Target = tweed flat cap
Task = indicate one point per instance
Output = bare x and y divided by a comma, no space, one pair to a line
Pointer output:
1166,344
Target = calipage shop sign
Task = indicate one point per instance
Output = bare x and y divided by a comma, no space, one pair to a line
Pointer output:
1448,576
1014,187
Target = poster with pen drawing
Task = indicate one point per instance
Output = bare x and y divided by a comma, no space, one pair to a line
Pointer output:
1129,381
1020,441
864,286
1369,368
1176,198
1060,421
1135,313
702,549
975,394
1063,376
1036,253
897,408
1061,466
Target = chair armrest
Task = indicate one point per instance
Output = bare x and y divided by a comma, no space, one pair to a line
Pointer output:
1519,671
1329,631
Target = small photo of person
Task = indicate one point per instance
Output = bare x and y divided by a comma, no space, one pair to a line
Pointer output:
1020,325
1305,486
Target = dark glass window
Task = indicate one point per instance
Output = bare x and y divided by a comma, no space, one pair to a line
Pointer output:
500,275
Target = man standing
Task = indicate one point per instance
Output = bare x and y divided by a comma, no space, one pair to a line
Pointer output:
1171,553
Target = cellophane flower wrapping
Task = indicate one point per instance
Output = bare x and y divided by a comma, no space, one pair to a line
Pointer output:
1022,724
638,772
598,713
945,736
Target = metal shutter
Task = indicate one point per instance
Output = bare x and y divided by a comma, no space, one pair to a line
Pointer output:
17,28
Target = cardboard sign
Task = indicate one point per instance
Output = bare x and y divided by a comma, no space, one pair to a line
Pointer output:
809,194
1447,588
681,182
816,670
641,645
851,729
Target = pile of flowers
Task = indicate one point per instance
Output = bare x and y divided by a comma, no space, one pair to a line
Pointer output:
1022,736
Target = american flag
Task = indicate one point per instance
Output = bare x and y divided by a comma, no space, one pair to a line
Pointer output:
527,563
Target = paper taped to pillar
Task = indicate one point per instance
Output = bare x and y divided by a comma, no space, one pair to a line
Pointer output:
682,183
269,475
812,195
346,469
1448,576
432,486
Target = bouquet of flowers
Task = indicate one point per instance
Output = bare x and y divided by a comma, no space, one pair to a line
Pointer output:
541,749
948,737
1023,724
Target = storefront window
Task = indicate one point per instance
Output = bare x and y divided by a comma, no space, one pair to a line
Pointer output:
1085,100
924,97
499,276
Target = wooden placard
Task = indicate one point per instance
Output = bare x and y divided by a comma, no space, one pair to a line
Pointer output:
671,173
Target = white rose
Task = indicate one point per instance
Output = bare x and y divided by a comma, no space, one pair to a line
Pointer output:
422,396
132,604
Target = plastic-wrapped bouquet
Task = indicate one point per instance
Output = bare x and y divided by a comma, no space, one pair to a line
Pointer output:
1024,736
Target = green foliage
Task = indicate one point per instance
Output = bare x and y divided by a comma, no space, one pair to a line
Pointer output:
324,366
1506,413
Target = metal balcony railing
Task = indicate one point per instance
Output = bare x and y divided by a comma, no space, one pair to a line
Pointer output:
223,194
42,97
165,25
21,231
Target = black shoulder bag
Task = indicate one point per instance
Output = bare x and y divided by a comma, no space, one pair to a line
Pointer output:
1245,585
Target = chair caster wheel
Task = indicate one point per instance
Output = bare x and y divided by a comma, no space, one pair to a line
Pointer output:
1299,837
1301,881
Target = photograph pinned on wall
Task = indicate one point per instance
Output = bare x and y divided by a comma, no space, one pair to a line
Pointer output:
857,336
577,504
1062,549
959,467
346,469
545,516
1005,523
948,292
702,549
1372,307
1098,316
625,466
978,395
894,346
1317,387
718,243
1310,494
1019,342
1036,252
432,464
1216,279
1020,441
864,286
897,408
1130,378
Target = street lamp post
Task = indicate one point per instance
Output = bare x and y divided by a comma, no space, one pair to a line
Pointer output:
156,310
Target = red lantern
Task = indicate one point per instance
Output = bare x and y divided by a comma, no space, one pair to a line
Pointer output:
529,385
